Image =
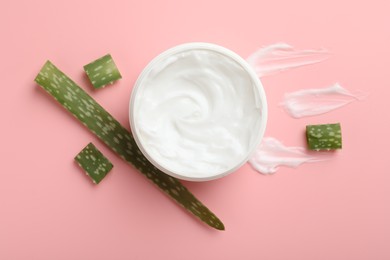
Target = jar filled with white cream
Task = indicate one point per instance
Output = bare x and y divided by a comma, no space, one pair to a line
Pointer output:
198,111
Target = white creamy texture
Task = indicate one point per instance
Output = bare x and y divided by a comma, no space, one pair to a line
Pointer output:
310,102
279,57
198,113
272,153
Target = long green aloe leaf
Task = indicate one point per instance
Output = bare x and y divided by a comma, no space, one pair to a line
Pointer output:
119,139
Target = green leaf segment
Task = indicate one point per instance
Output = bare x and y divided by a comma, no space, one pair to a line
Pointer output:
324,137
94,163
118,138
102,71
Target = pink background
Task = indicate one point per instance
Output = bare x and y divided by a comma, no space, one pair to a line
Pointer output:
338,209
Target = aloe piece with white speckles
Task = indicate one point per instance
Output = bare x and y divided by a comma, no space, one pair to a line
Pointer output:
94,163
324,137
119,139
102,71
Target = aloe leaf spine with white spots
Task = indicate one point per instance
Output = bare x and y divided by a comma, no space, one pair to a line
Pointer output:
118,139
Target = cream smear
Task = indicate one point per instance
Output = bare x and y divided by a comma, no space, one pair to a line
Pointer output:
310,102
271,154
198,113
280,57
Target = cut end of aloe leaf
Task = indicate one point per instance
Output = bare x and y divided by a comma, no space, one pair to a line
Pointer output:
94,163
324,137
102,71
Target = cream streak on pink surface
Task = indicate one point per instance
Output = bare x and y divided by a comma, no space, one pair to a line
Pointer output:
311,102
278,57
271,154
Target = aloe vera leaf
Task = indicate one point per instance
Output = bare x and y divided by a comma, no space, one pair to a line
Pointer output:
94,163
324,137
118,139
102,71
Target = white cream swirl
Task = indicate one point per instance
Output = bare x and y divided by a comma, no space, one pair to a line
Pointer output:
197,113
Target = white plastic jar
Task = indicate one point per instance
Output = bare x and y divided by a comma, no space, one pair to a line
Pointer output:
198,111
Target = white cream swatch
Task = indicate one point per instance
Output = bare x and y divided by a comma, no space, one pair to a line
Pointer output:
272,153
280,57
310,102
197,113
